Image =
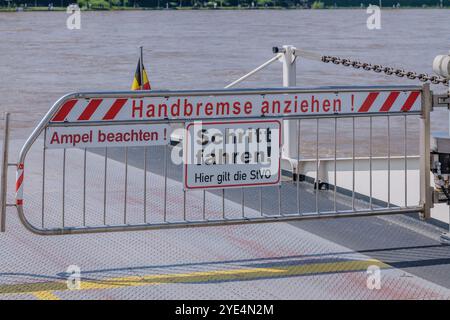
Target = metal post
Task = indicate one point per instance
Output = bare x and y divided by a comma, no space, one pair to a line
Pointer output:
4,175
289,80
425,188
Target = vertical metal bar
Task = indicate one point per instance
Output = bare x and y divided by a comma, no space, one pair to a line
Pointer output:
389,159
242,203
260,201
279,200
84,187
125,187
353,163
370,163
165,183
184,204
204,205
145,184
223,203
4,176
298,165
425,188
406,161
335,164
104,185
317,165
44,152
64,187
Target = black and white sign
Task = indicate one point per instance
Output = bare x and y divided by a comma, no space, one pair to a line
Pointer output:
230,154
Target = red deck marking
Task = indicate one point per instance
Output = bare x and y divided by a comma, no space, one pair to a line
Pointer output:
387,105
410,101
90,109
64,110
115,108
368,102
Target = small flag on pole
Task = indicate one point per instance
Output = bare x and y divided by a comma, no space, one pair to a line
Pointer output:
140,82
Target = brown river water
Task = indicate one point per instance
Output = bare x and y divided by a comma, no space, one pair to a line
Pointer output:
41,59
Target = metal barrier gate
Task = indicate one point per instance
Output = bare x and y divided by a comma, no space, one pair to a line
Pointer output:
122,186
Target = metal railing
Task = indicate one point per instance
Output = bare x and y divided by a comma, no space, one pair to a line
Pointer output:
151,195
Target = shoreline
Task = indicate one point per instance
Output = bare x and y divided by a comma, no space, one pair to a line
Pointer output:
63,9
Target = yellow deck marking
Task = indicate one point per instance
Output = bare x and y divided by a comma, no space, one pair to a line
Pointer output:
45,295
44,290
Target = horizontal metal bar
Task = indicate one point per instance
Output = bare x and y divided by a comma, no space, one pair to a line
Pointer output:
361,158
219,222
229,92
283,117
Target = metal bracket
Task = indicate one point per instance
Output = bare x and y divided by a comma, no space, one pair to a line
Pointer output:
441,101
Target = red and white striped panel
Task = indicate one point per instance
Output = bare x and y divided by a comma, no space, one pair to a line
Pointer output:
393,101
129,109
19,184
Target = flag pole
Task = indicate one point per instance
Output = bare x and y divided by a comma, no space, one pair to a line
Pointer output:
141,66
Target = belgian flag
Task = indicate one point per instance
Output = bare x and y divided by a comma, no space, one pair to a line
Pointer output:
137,78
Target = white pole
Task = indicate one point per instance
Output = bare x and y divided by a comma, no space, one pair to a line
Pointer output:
290,144
265,64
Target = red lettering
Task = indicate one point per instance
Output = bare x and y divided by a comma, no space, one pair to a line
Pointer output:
248,107
287,106
265,107
54,138
187,106
163,107
314,104
304,106
150,111
326,105
138,109
236,108
337,105
175,108
276,105
208,108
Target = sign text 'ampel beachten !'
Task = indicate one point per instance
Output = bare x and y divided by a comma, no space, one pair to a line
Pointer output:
227,154
107,136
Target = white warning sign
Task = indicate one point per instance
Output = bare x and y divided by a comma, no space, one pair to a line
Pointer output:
229,154
107,136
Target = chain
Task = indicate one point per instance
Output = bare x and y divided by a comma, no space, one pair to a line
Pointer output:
387,70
